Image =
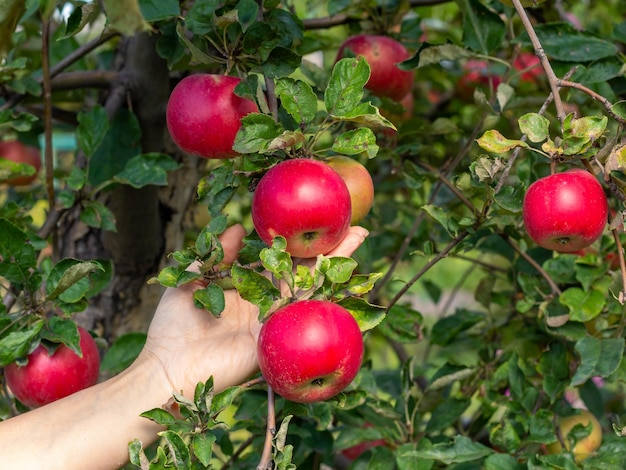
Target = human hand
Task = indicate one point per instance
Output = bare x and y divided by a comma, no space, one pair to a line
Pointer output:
190,344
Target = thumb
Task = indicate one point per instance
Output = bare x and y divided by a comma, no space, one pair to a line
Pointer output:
354,238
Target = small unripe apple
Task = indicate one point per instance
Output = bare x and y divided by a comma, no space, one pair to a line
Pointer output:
48,377
306,202
310,350
585,446
359,182
565,212
17,152
204,114
382,53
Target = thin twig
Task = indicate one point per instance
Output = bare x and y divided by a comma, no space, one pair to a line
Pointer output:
266,456
596,96
47,102
441,255
553,287
539,52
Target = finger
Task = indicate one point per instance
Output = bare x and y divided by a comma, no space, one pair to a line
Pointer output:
232,242
354,238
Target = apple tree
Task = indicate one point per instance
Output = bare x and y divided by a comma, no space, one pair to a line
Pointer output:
489,325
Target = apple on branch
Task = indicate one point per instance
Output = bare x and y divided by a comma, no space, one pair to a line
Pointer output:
204,114
51,375
306,202
382,53
359,183
565,212
310,350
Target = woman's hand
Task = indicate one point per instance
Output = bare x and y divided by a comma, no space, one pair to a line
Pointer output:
191,344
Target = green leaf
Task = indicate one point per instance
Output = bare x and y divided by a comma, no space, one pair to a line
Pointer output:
171,276
402,323
159,416
10,169
277,261
63,330
446,219
256,133
483,29
159,10
17,344
298,99
125,16
446,414
562,42
146,169
337,269
254,287
80,17
429,54
598,357
447,328
368,316
583,305
460,449
360,284
494,142
121,142
211,298
92,128
356,141
345,87
10,13
179,452
123,352
95,214
69,279
202,445
17,255
535,126
554,367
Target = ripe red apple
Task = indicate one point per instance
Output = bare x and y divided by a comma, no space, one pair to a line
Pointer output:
530,64
565,212
204,114
359,182
476,73
305,201
17,152
310,350
49,377
585,446
382,54
355,451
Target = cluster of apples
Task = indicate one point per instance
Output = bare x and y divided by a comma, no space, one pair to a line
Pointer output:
309,350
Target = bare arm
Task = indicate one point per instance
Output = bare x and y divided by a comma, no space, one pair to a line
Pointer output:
185,345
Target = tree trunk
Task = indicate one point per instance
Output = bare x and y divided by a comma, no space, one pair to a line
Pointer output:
149,220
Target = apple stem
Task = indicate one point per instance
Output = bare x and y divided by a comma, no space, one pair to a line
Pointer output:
266,456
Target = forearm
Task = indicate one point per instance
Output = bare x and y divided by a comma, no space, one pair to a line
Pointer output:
96,424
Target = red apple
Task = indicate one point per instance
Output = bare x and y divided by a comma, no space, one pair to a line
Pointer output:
382,54
17,152
476,73
48,377
565,212
305,201
310,350
204,115
359,182
585,446
530,65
